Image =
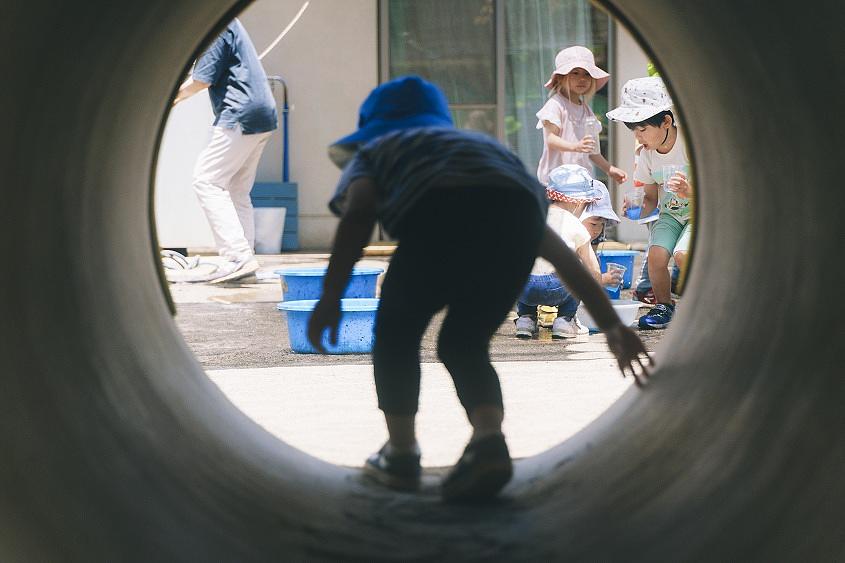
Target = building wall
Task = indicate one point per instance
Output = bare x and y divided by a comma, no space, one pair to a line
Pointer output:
630,62
330,62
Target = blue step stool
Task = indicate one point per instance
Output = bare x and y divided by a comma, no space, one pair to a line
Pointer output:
281,194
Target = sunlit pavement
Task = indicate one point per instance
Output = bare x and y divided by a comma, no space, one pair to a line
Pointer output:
326,405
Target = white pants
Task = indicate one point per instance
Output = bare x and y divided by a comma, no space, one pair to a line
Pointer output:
223,177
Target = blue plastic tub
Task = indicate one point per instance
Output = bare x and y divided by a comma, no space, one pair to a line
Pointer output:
623,257
307,283
356,331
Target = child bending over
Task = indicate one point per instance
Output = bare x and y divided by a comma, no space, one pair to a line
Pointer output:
445,195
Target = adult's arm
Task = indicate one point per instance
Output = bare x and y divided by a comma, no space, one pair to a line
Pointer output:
188,88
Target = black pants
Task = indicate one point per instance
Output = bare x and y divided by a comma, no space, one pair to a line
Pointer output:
459,248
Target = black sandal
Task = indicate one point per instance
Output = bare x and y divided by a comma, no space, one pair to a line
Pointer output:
396,471
483,470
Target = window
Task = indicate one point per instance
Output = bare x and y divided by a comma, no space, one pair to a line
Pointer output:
492,57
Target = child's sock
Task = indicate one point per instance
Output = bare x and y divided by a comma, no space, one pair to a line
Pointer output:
390,450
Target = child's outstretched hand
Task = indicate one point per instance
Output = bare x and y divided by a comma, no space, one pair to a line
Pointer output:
326,315
629,352
618,175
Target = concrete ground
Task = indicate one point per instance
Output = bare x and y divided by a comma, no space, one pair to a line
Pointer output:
326,405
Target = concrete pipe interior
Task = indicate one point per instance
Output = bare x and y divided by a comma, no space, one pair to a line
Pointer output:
117,447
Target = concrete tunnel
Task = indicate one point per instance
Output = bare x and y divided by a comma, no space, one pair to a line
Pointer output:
117,447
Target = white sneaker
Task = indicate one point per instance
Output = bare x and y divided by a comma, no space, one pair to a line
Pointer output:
568,328
526,327
236,270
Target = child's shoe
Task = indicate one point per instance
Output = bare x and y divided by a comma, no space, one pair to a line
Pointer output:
483,470
526,327
567,328
397,471
659,317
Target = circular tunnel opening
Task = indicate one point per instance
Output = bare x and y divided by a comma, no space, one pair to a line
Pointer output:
122,449
551,390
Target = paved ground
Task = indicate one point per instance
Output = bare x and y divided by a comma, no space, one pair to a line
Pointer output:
325,405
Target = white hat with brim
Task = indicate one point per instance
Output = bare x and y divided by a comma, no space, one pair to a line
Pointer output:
578,57
572,183
641,98
601,207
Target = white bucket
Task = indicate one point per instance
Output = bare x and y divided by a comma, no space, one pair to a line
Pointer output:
269,226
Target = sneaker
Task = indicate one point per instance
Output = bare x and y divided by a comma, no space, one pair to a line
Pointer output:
646,296
482,471
236,270
567,328
526,327
396,471
659,317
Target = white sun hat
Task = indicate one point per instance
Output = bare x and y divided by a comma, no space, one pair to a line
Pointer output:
601,207
641,98
578,57
572,183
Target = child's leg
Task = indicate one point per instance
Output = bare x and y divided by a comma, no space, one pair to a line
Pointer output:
680,254
682,246
465,354
665,236
658,264
525,310
569,306
643,283
405,309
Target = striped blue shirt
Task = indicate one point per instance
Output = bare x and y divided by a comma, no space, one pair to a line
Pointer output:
406,164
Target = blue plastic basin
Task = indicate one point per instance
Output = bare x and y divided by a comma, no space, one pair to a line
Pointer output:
622,257
307,283
356,330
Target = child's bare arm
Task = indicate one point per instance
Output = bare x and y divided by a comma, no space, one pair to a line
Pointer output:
623,342
353,233
650,200
577,278
588,258
618,175
555,141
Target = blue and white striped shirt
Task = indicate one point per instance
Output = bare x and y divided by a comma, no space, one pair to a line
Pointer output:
406,164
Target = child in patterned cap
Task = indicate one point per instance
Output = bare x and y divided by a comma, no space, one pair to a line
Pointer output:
647,111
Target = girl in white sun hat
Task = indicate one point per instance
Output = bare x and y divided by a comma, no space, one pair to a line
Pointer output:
647,111
570,128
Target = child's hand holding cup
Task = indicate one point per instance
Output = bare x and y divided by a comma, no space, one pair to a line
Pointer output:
591,131
613,285
634,197
675,179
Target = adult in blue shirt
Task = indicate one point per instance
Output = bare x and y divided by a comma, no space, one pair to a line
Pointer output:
244,117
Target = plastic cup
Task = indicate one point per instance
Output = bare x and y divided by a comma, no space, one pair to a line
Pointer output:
670,170
614,267
635,197
592,127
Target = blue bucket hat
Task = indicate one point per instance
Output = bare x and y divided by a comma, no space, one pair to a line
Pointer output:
402,103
